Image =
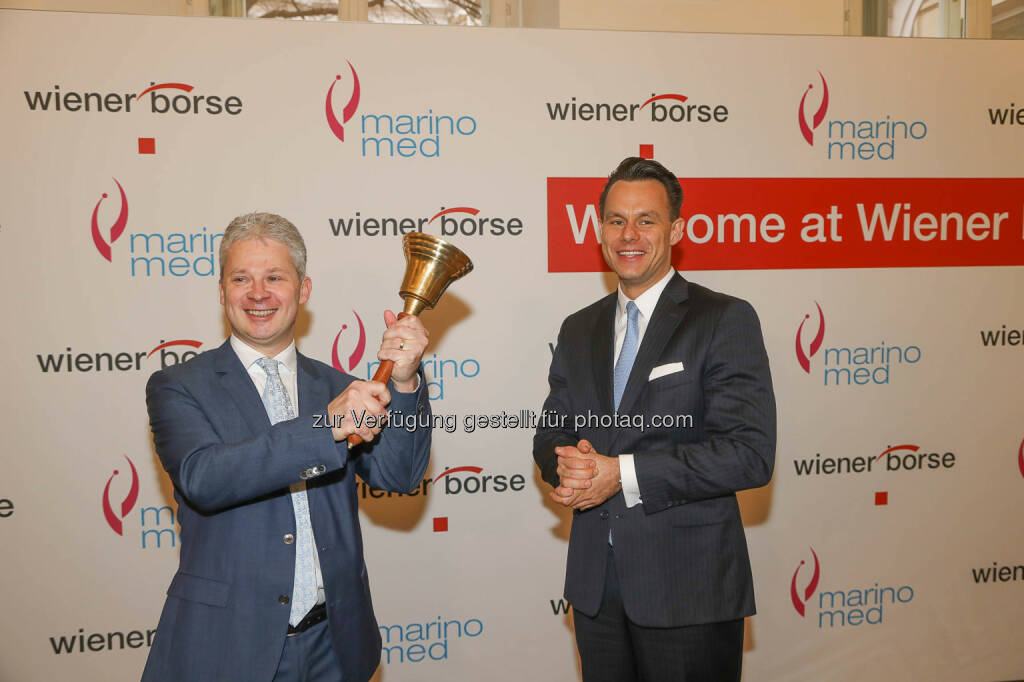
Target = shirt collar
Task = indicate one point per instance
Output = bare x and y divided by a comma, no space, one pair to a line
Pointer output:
249,355
648,300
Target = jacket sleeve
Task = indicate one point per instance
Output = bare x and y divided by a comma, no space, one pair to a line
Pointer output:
397,460
739,427
556,426
213,474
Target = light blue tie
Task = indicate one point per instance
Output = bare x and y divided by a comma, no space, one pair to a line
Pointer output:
304,589
627,355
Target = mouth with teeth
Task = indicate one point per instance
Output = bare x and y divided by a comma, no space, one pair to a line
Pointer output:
261,313
630,254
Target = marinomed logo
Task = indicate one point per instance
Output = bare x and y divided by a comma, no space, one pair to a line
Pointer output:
103,244
358,347
427,641
163,98
157,530
851,365
393,134
878,137
441,373
670,107
805,358
114,519
335,125
152,254
807,129
851,607
800,596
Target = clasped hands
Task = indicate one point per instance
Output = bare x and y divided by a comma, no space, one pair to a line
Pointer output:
361,408
585,478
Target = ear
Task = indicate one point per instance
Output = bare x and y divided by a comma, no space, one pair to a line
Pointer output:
220,288
304,289
676,232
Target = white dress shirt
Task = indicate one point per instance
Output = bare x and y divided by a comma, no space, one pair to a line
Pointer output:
288,370
645,303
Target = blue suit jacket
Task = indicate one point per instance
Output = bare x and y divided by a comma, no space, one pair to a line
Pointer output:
681,556
223,619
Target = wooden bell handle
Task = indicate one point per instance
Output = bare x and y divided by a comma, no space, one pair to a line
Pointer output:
382,375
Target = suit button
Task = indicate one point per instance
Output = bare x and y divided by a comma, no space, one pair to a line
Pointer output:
604,515
289,538
321,468
618,516
304,475
283,599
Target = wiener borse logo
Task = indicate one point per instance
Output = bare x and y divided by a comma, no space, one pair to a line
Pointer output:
457,221
167,353
159,98
666,108
460,480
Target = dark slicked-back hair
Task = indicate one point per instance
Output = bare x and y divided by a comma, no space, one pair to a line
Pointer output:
634,168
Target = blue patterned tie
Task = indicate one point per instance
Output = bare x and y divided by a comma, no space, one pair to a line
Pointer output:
628,353
304,589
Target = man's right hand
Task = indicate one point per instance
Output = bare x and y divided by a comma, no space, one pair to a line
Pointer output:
574,472
360,409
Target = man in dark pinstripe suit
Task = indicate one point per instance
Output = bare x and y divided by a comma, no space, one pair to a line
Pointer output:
661,407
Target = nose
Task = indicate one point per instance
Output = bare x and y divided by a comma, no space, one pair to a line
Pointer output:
258,291
629,231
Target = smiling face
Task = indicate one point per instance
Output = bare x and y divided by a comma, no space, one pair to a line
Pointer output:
261,293
638,232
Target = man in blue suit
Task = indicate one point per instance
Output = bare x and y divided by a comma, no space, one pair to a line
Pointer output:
272,584
661,408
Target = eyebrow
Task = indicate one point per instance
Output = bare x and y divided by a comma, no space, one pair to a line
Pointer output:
243,271
642,214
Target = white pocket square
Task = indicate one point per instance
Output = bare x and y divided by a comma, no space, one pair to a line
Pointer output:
662,370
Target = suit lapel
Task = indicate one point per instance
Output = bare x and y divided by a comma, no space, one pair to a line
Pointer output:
668,314
313,393
603,346
236,381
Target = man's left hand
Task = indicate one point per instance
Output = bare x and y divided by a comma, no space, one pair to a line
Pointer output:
603,484
403,343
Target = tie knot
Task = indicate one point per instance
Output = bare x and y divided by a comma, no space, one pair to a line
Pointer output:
270,366
632,312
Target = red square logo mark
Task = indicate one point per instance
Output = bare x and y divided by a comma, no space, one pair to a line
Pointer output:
647,151
147,145
881,499
440,524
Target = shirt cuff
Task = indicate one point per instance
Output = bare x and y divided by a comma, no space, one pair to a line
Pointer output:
413,391
630,486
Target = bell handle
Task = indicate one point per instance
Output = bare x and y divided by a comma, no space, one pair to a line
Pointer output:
382,375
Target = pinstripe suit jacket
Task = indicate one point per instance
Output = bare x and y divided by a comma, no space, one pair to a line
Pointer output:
681,556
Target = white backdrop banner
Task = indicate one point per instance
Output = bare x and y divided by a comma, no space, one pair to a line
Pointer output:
866,195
